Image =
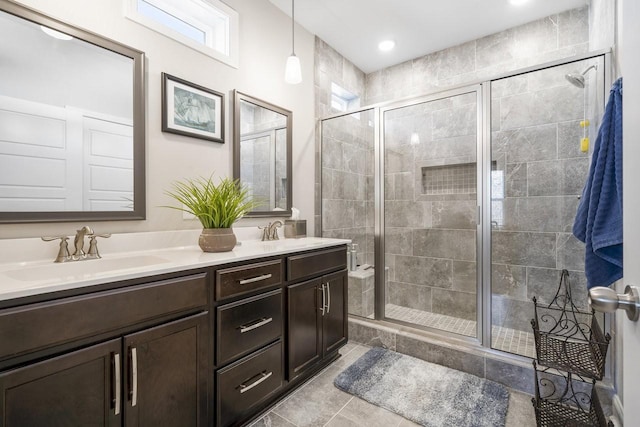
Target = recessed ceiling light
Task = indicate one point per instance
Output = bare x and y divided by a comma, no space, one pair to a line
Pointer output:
55,34
518,2
386,45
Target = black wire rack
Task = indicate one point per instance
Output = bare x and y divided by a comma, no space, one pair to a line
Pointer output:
566,400
568,338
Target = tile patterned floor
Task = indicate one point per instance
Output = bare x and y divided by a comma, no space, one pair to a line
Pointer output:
505,339
320,403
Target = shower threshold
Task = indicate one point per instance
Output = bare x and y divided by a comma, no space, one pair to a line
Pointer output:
504,339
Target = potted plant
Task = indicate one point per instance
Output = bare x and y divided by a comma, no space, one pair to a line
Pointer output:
216,206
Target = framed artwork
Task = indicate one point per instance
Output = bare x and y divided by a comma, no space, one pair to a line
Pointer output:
192,110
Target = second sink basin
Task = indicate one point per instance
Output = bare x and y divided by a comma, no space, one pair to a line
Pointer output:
56,271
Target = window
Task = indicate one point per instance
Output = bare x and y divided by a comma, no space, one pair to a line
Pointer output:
208,26
342,100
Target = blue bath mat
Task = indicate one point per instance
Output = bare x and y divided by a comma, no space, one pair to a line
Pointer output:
428,394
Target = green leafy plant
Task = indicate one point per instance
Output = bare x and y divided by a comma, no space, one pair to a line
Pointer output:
216,206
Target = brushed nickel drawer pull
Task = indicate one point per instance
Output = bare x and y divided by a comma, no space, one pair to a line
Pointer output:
134,376
116,372
259,322
328,298
262,376
256,279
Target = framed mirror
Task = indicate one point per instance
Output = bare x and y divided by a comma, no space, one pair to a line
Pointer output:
262,153
72,122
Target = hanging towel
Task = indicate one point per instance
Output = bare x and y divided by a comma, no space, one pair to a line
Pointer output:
598,221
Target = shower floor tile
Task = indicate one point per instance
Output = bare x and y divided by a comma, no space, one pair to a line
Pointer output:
505,339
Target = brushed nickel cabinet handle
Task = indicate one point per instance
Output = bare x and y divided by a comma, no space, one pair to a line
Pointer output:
324,300
328,298
260,322
134,376
262,376
256,279
116,379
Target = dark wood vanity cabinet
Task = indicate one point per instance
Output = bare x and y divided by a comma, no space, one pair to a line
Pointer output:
278,323
210,347
317,318
150,376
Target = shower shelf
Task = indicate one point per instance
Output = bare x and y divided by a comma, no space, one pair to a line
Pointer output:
566,400
567,338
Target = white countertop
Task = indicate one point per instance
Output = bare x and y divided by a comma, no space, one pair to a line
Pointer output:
148,254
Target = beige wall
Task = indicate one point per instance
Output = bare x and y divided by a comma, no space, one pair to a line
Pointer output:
265,43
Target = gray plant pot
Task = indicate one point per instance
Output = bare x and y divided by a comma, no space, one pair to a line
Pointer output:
217,240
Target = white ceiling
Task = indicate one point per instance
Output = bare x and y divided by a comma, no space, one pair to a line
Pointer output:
355,27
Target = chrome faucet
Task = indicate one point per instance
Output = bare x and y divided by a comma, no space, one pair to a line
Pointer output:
79,254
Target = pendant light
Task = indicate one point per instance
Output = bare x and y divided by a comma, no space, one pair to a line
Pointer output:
292,73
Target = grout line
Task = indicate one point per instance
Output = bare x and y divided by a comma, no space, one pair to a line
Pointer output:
340,410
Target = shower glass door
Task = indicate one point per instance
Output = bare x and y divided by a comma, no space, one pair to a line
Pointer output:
431,175
541,125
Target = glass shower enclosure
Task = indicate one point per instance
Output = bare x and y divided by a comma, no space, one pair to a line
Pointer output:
462,202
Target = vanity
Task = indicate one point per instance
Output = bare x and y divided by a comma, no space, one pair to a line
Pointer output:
176,337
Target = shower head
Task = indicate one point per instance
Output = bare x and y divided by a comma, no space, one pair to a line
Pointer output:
577,79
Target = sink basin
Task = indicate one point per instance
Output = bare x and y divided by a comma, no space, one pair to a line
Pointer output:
56,271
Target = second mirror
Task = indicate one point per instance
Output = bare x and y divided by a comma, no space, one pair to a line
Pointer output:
262,153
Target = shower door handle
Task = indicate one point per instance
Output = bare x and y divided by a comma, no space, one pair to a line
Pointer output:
607,300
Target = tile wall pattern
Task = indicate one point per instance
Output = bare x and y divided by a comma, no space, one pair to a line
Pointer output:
331,67
554,37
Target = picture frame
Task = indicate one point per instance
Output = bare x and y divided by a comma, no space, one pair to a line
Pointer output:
192,110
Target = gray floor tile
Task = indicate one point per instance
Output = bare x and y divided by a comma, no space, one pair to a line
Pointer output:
315,403
407,423
364,414
320,403
520,413
340,421
272,420
351,357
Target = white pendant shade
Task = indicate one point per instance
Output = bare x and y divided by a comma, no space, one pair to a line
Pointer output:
292,71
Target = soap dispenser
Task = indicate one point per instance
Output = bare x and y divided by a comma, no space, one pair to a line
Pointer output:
353,257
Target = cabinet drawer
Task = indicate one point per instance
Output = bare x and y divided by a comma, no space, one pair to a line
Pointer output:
247,325
36,326
246,278
250,381
316,263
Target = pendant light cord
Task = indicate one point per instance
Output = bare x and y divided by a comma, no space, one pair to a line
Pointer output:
293,33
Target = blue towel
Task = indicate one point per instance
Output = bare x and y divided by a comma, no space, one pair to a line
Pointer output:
598,221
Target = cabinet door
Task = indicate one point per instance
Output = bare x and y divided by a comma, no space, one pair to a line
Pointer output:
166,372
75,389
334,321
304,301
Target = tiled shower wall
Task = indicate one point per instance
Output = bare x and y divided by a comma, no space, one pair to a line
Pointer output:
554,37
347,182
344,202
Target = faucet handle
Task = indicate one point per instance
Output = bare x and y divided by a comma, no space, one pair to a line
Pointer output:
52,238
93,244
63,252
